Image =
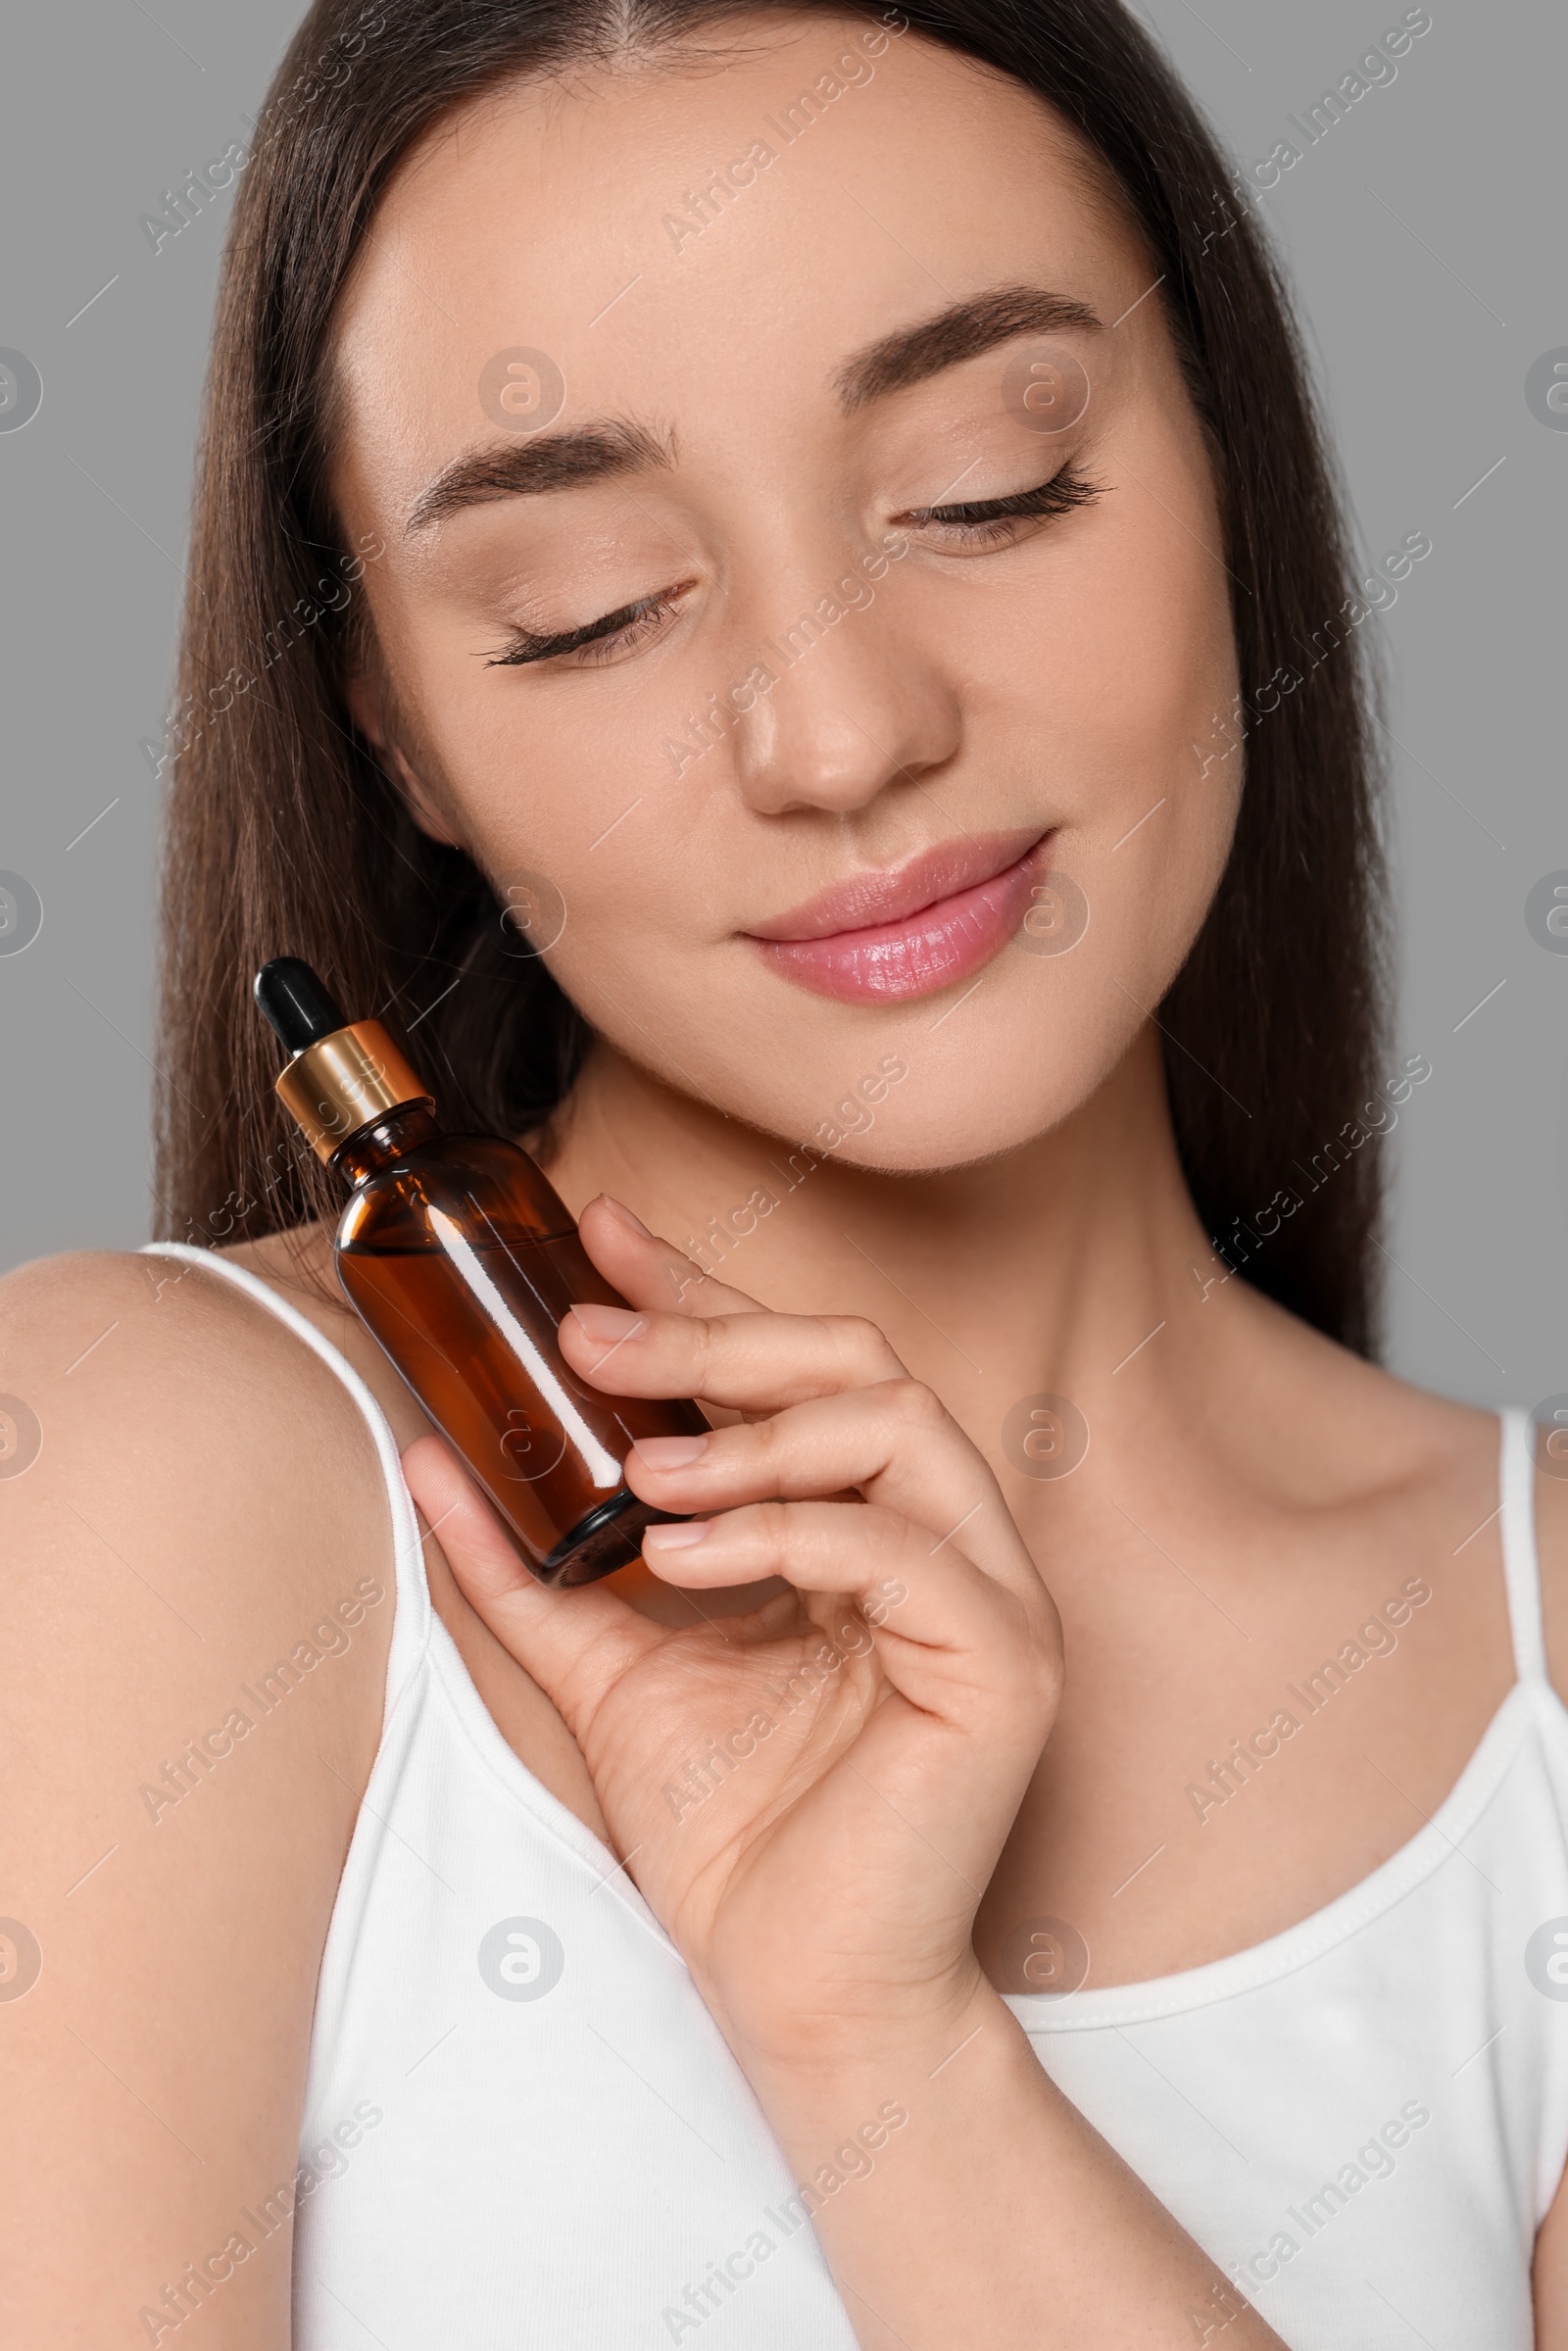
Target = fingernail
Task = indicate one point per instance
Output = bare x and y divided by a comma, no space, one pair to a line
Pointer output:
677,1535
608,1322
669,1453
621,1209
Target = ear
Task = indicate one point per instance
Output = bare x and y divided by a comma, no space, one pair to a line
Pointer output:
362,694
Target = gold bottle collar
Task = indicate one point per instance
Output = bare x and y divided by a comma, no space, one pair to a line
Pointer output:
345,1082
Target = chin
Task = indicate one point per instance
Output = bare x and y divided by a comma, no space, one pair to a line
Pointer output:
935,1119
932,1144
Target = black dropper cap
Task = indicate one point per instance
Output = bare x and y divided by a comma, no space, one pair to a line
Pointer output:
297,1004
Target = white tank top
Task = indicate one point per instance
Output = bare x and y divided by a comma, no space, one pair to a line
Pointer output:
523,2129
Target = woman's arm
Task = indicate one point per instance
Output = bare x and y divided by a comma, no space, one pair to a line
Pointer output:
1550,2276
993,2214
859,1747
204,1496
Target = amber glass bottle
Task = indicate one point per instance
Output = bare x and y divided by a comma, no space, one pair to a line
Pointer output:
462,1259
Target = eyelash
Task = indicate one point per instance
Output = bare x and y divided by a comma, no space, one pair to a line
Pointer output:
985,517
984,521
621,630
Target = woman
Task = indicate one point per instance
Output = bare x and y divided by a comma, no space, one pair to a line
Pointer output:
735,555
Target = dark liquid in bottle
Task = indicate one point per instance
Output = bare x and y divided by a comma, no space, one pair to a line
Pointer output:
449,1255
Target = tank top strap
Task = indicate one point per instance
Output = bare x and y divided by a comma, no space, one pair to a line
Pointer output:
411,1625
1520,1565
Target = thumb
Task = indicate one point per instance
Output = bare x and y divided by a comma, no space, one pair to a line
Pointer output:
576,1644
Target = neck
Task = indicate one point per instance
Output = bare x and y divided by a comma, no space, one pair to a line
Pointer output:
1046,1269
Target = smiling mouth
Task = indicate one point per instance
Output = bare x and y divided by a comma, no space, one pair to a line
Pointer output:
908,932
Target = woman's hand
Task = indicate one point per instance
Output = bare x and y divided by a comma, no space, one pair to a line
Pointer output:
810,1798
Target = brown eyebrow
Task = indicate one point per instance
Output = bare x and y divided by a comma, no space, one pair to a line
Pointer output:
554,460
911,354
609,446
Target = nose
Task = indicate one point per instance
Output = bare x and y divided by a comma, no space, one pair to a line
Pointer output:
854,702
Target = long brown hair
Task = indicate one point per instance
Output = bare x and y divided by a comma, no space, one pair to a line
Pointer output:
285,836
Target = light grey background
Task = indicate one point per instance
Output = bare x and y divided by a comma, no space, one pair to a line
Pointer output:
1424,238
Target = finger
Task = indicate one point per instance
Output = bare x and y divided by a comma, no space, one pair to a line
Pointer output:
966,1668
750,1361
576,1644
925,1607
894,1442
648,1271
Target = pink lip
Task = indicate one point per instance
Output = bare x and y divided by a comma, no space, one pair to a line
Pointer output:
932,921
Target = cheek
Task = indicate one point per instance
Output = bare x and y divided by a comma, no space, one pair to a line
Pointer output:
1160,763
1108,673
1146,660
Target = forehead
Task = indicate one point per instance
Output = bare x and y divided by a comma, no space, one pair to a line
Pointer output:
701,237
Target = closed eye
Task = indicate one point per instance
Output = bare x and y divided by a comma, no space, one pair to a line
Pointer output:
600,640
992,521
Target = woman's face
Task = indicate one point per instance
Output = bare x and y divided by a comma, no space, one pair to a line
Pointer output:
728,358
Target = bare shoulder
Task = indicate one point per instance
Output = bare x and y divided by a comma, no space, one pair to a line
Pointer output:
1449,1455
1551,1547
196,1603
163,1392
1351,1429
298,1267
1389,1482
